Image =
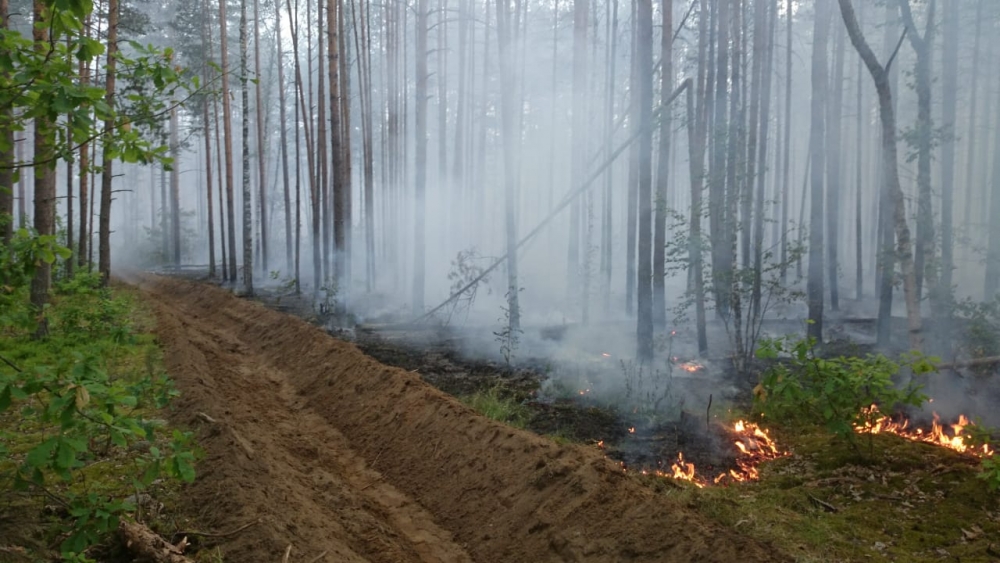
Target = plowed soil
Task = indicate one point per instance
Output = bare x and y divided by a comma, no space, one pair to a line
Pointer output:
336,453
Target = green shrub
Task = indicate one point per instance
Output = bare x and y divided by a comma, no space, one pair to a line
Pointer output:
494,404
835,393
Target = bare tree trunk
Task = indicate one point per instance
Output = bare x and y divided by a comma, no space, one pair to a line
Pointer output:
175,191
834,164
283,128
663,167
247,193
324,210
768,24
891,175
973,126
206,123
578,148
104,232
261,147
227,127
717,168
511,147
45,178
421,156
991,285
644,95
924,260
942,300
817,140
696,128
786,182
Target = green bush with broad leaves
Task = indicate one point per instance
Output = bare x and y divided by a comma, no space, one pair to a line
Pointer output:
834,393
77,408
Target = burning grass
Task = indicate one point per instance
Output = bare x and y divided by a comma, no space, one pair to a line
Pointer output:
913,502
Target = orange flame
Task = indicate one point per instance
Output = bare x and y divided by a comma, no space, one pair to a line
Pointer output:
878,423
755,446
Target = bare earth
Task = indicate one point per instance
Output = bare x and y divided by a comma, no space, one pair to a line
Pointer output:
337,453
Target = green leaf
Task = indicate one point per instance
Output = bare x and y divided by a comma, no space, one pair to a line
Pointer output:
5,398
39,455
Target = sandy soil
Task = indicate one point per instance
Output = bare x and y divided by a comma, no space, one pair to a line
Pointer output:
334,452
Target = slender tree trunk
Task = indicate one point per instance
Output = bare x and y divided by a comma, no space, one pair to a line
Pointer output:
175,190
834,164
420,141
891,175
924,259
717,167
991,285
973,126
817,147
324,211
633,172
644,296
578,148
261,147
104,232
206,123
22,214
786,182
45,180
510,114
860,109
247,193
227,127
283,129
942,300
663,168
767,21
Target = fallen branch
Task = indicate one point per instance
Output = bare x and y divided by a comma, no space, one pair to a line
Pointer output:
288,553
217,535
824,505
144,543
987,361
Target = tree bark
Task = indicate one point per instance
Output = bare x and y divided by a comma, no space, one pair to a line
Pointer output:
261,146
104,231
206,123
283,131
45,180
510,114
817,147
175,190
887,117
942,300
227,128
578,149
247,193
6,157
663,168
644,295
420,141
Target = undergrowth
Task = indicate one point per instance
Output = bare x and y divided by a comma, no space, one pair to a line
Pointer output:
81,443
496,404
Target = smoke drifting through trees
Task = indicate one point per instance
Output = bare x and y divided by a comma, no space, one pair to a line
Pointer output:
401,134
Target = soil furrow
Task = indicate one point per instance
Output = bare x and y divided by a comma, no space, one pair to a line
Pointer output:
338,453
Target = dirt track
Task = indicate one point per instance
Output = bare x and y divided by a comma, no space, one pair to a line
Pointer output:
335,452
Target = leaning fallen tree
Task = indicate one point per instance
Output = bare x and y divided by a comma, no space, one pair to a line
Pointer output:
146,544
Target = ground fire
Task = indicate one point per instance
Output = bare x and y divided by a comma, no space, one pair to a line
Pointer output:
937,434
754,446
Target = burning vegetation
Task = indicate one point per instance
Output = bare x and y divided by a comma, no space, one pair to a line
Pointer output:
955,436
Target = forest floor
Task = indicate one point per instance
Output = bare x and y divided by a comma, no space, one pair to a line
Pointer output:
325,448
346,459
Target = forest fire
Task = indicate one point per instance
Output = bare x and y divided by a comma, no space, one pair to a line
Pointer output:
937,435
755,447
690,367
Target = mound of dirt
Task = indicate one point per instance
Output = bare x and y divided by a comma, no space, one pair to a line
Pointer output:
334,452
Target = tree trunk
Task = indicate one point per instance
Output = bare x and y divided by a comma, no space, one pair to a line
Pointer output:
663,168
887,117
323,210
175,190
924,259
991,285
942,300
227,127
45,180
261,147
509,114
6,157
283,129
578,149
717,167
104,232
768,23
786,182
817,147
420,141
206,123
834,164
644,295
247,194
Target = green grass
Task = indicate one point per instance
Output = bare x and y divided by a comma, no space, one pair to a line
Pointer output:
495,403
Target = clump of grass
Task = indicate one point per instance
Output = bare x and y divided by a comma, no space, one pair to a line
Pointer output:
495,403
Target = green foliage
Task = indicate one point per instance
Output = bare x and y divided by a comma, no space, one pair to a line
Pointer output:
835,393
79,398
495,404
981,329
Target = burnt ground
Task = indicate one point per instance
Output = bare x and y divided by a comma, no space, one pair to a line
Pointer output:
346,459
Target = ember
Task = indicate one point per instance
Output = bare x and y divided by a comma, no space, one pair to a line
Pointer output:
937,435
